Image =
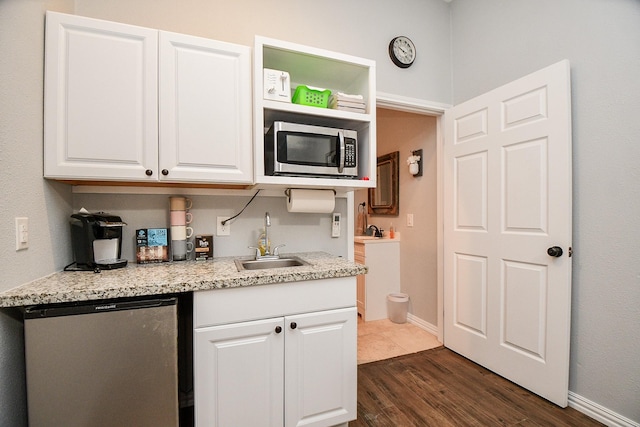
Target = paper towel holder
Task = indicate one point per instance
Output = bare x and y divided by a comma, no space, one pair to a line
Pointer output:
287,192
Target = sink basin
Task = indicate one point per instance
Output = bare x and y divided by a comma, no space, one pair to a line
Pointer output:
261,264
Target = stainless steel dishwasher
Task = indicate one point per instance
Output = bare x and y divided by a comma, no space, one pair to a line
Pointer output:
113,363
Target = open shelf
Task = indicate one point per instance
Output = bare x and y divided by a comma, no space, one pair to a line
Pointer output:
322,69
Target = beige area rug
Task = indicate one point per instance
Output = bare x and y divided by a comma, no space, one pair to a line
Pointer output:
383,339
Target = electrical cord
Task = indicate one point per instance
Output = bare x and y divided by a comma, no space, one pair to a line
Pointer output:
239,213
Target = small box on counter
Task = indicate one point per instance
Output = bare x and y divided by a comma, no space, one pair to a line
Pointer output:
203,247
152,245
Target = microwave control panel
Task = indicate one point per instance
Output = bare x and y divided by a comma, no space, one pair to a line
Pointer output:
350,153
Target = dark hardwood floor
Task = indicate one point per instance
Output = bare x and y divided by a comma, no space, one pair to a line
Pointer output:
441,388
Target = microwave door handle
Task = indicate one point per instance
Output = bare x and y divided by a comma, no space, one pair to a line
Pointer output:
342,152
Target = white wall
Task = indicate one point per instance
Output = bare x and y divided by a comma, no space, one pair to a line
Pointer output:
496,41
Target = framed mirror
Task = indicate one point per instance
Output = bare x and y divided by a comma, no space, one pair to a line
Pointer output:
385,198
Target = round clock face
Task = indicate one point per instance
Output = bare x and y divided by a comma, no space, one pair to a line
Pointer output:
402,51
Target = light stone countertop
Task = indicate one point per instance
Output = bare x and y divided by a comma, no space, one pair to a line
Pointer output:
170,277
375,240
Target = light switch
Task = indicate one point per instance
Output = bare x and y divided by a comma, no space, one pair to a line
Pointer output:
22,233
409,220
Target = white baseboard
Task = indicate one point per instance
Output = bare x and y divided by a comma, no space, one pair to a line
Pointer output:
432,329
599,412
577,402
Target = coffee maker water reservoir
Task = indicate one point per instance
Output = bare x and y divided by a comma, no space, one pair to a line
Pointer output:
97,241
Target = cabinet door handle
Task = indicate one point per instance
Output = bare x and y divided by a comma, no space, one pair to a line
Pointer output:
293,325
165,172
148,172
278,329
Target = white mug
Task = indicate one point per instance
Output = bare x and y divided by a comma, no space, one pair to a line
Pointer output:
181,232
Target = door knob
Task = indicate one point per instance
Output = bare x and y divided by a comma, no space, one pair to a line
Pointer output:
294,325
278,329
555,251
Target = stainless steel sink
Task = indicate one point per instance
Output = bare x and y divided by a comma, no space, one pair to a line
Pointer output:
260,264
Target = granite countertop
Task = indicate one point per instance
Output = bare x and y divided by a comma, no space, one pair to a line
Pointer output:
171,277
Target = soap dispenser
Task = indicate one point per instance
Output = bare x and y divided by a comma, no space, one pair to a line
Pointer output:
263,245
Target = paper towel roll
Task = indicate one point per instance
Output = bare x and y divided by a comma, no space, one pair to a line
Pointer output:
311,201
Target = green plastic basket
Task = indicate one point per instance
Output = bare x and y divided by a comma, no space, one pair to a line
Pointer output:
311,97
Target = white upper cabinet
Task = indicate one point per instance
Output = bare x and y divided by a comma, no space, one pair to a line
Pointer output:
125,103
101,105
205,110
319,69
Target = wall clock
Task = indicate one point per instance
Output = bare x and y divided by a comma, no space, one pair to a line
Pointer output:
402,51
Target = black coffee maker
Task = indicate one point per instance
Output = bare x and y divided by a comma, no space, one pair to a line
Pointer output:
96,239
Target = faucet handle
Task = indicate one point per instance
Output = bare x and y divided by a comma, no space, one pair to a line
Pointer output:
275,250
258,253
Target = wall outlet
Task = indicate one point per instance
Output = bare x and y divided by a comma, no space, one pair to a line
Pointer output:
223,230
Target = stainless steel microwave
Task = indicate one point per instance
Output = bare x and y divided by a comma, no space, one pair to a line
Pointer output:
305,150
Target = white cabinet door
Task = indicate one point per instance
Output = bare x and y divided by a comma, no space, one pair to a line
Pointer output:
321,368
101,107
205,110
239,374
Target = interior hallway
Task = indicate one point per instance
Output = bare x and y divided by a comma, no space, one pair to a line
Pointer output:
383,339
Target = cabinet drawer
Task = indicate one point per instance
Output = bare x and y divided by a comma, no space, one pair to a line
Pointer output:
221,306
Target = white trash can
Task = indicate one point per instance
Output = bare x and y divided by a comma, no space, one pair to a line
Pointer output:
397,307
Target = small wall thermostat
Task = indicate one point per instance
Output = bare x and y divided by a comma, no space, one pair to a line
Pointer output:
277,85
335,225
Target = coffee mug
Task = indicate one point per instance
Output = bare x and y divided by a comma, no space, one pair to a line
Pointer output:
180,249
181,218
180,203
181,232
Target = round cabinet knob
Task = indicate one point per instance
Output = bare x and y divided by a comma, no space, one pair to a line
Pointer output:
165,172
148,172
294,325
278,329
555,251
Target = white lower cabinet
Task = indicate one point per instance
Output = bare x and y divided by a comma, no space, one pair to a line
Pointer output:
297,369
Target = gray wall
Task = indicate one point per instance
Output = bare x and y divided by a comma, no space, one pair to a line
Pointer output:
358,27
496,41
299,232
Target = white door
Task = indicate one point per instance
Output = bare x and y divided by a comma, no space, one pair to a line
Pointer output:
205,110
507,200
321,368
101,105
240,374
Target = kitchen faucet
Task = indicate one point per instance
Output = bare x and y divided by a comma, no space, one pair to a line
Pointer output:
267,247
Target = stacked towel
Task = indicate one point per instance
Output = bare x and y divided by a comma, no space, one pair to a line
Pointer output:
346,102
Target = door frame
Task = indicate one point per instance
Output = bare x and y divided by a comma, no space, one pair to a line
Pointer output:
437,110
